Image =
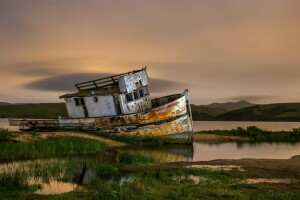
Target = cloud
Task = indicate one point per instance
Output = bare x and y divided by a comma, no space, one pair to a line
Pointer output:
66,83
44,67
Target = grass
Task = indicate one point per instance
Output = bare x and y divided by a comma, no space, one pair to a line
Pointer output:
133,159
15,185
177,184
160,185
40,110
257,134
48,148
4,135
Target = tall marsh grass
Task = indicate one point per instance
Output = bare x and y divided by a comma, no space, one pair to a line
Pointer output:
4,135
134,159
47,148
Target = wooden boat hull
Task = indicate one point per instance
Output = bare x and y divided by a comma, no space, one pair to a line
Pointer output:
171,119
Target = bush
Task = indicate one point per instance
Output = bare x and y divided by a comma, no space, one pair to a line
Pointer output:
133,159
106,170
4,134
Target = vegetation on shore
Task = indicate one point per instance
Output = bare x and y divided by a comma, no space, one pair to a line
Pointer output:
48,148
117,176
255,134
182,184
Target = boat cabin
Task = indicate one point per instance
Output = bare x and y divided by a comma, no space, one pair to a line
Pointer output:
115,95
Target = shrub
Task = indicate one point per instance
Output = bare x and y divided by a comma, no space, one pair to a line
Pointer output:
133,159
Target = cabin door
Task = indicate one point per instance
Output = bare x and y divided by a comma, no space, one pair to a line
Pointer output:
117,105
85,111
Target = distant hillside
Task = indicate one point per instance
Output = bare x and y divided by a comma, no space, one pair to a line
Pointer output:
268,112
209,112
229,106
4,103
41,110
205,113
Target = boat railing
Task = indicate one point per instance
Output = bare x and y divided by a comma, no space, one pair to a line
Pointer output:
103,83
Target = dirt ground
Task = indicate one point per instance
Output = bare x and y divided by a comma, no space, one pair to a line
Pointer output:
31,136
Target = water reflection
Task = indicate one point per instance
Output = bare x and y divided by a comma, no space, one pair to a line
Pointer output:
233,150
213,151
164,153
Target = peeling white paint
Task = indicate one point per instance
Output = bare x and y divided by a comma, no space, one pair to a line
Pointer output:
73,110
103,107
135,81
135,106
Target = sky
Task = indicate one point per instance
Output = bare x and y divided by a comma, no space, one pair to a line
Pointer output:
220,50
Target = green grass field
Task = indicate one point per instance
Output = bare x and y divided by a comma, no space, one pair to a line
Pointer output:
41,110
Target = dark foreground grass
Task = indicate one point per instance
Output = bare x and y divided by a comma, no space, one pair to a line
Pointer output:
178,185
181,184
5,136
125,159
257,134
51,147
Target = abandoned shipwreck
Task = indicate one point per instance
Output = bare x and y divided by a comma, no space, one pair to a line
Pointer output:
121,105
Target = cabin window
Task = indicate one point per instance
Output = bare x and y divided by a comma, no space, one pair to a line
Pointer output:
79,101
129,97
95,99
136,96
76,100
82,101
141,92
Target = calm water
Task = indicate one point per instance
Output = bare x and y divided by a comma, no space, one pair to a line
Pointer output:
213,125
228,150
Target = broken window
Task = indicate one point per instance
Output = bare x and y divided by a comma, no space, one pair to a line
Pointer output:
135,94
79,101
76,100
82,101
141,92
129,97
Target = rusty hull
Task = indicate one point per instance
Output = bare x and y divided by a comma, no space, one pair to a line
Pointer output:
170,119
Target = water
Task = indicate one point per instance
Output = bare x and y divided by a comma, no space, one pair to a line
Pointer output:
212,151
212,125
233,150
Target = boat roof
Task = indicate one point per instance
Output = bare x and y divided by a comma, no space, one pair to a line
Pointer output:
93,92
103,86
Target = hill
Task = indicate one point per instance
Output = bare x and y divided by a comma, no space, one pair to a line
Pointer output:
41,110
229,106
205,113
209,112
267,112
4,103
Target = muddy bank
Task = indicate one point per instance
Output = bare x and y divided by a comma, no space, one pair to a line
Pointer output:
33,136
256,168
